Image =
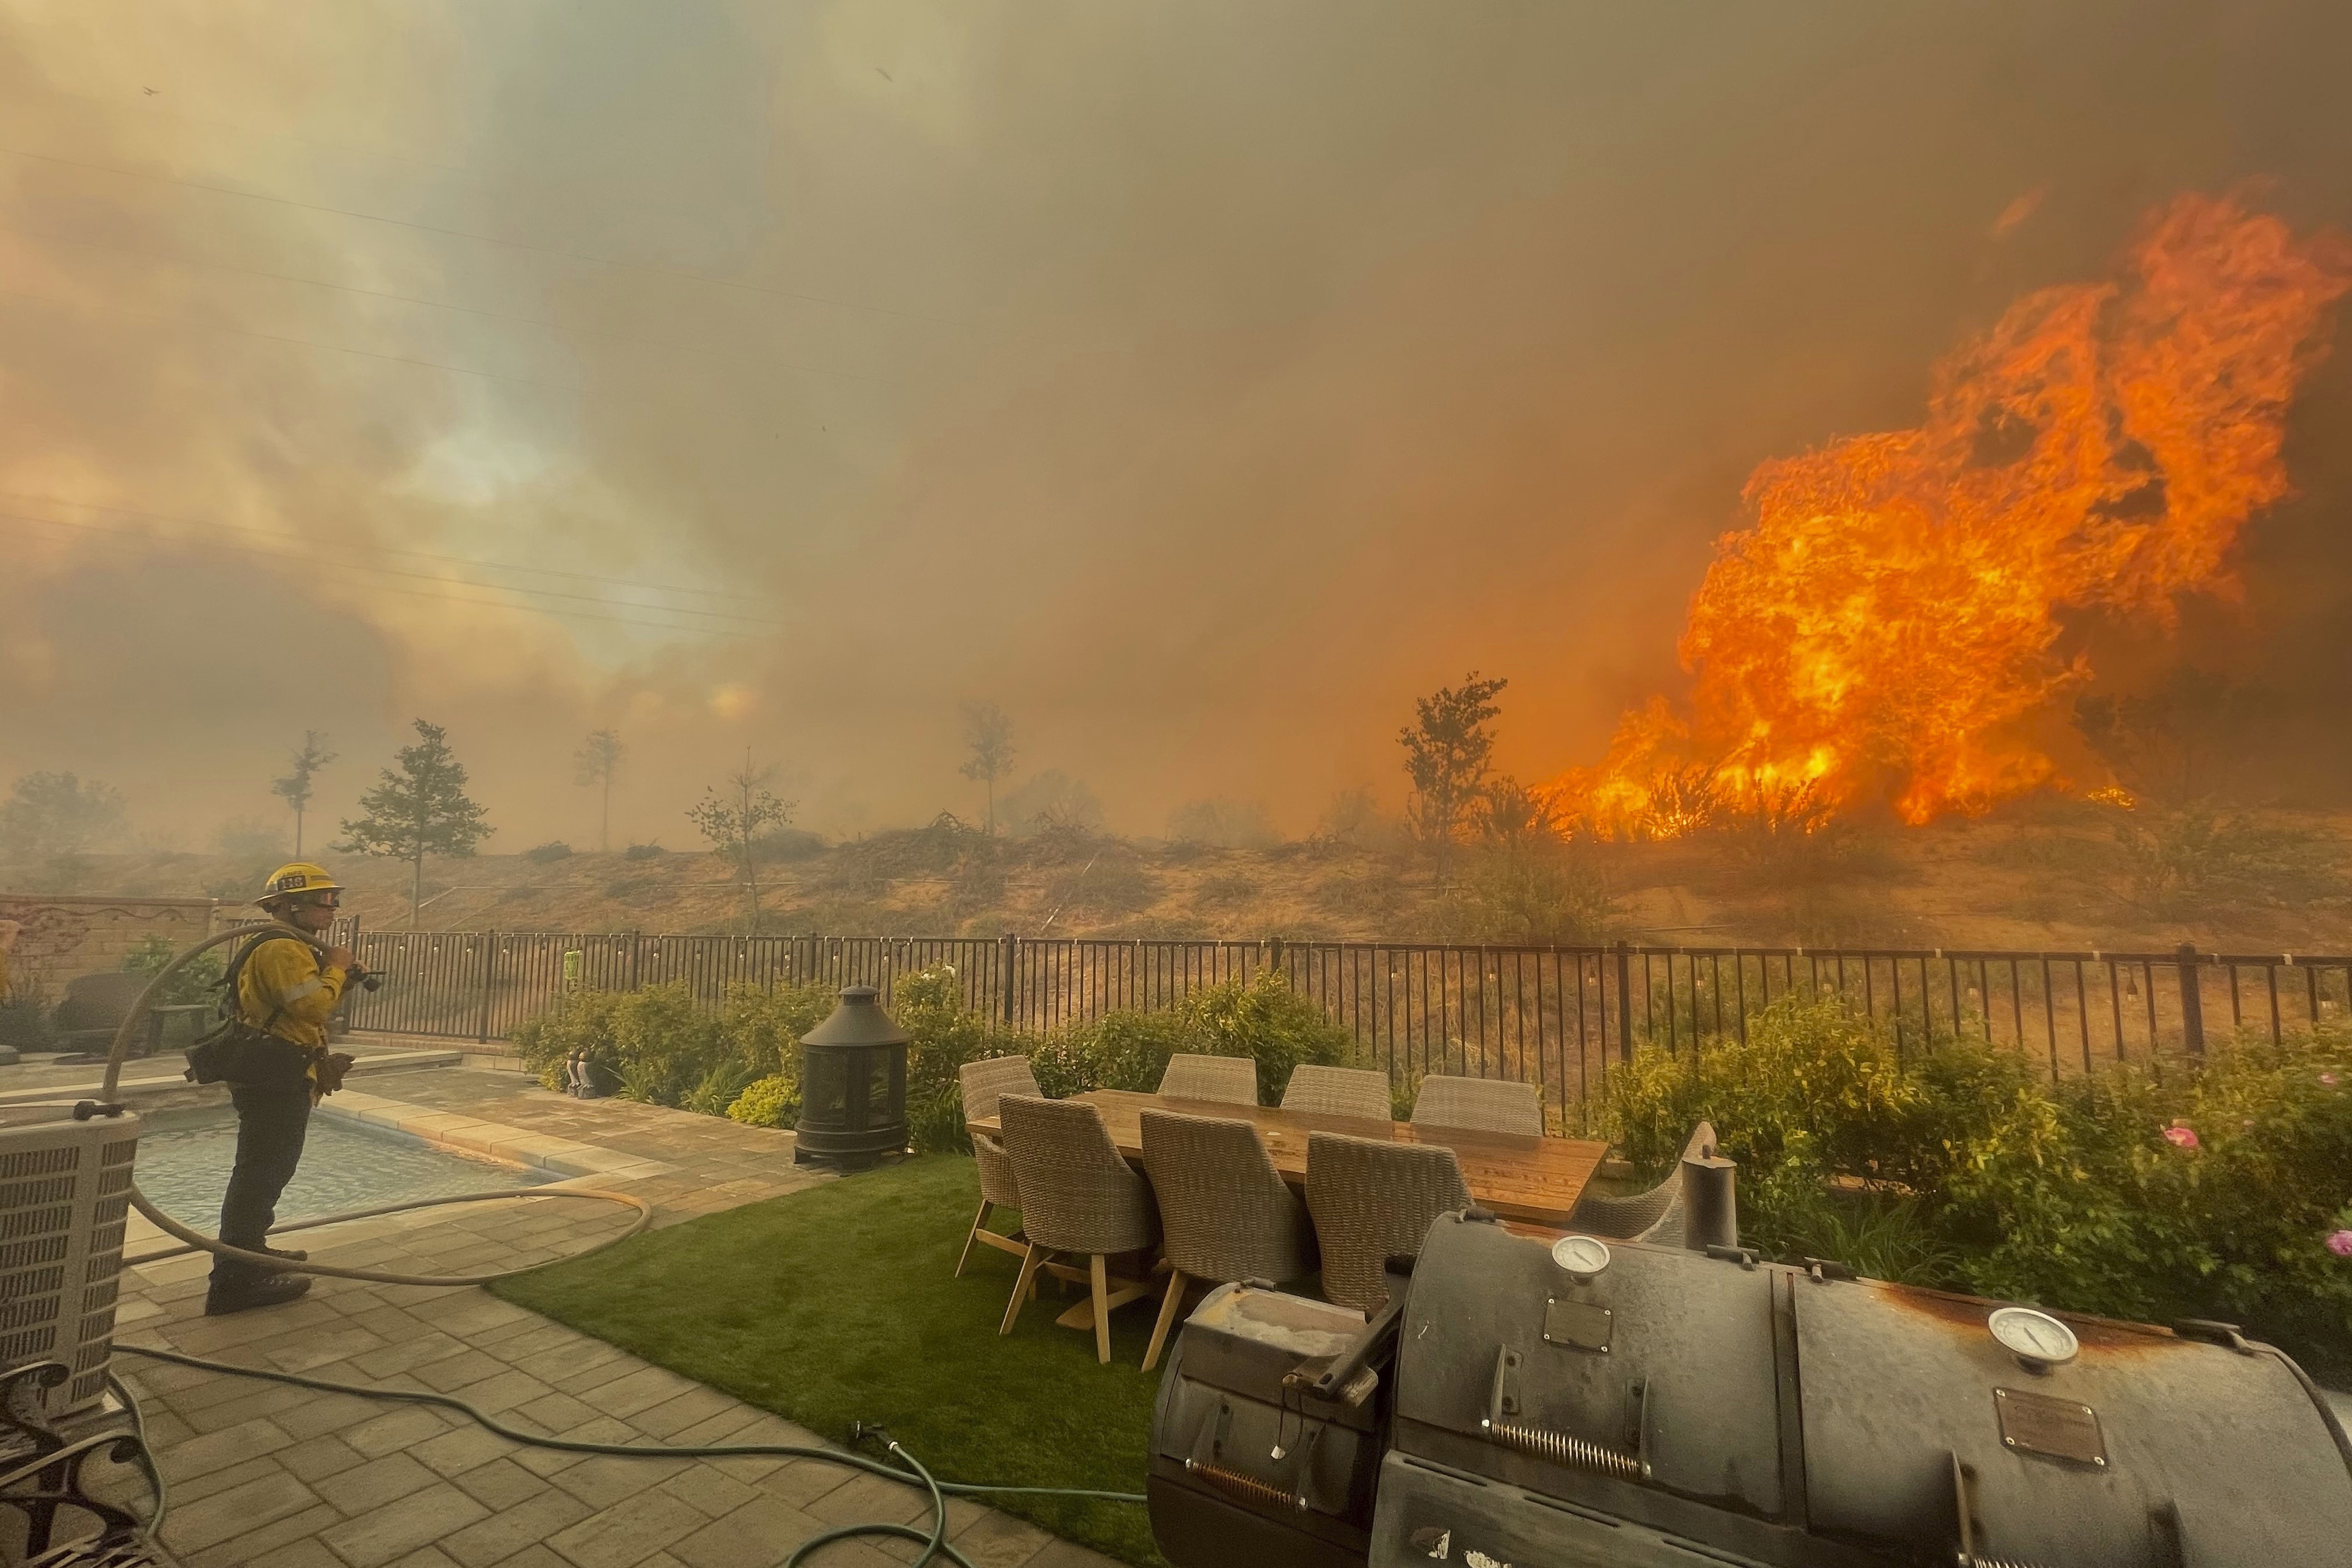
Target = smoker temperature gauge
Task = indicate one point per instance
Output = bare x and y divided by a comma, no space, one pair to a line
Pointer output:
2037,1339
1580,1256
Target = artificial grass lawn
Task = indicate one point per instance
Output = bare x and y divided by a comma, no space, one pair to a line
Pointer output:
835,1304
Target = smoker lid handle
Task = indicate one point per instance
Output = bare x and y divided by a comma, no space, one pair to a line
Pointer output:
1337,1379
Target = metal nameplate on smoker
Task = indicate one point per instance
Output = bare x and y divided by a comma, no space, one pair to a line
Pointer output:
2056,1428
1579,1325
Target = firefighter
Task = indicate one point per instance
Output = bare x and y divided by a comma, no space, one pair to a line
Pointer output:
284,996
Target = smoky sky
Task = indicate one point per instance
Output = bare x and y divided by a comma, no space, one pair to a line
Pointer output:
1198,384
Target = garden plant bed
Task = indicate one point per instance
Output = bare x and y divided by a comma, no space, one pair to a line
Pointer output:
837,1305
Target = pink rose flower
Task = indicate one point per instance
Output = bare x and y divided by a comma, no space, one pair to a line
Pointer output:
2181,1137
2340,1244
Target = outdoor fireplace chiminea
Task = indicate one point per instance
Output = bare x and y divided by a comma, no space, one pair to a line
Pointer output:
853,1086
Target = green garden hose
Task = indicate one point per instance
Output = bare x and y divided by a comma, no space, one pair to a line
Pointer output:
934,1540
194,1239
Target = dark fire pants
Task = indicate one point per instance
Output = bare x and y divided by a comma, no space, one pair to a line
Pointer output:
272,1119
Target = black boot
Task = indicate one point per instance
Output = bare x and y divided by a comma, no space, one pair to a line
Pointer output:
291,1254
242,1292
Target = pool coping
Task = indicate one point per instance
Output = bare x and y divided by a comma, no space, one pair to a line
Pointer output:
498,1140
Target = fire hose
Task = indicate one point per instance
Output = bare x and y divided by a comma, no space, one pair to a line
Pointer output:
898,1465
195,1241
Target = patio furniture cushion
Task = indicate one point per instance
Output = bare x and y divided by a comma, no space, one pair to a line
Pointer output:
1233,1080
1483,1104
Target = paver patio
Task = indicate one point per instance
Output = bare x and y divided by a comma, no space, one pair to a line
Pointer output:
273,1477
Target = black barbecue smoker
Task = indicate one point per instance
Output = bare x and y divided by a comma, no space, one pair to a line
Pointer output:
853,1086
1613,1405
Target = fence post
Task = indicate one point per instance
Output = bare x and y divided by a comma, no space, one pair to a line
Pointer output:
2192,1002
1005,977
489,978
1624,1001
637,942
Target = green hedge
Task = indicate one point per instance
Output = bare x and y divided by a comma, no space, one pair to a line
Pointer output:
2215,1190
662,1045
740,1061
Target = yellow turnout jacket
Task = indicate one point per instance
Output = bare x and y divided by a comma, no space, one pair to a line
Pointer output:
284,989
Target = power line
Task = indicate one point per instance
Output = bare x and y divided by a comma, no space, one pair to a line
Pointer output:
206,526
281,337
308,559
259,272
480,238
338,348
743,623
150,106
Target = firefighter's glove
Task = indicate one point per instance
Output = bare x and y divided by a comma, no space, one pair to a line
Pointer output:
331,1070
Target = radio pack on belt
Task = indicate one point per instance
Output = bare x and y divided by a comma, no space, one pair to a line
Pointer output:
1633,1406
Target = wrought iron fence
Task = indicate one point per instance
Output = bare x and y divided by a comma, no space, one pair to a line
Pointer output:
1557,1017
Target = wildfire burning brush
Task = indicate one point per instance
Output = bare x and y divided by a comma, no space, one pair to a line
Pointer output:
1889,627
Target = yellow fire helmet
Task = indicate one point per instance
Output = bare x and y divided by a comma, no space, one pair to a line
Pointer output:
302,877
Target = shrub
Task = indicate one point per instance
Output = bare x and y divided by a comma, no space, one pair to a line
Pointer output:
553,849
1119,1050
2210,1190
943,1035
642,852
772,1101
198,982
1813,1082
662,1045
1263,1019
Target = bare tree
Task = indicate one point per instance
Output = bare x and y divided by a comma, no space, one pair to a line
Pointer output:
987,736
598,759
295,789
1448,750
733,821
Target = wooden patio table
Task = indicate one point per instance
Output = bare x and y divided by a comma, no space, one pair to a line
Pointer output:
1532,1180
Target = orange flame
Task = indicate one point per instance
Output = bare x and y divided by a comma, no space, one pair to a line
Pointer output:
1890,623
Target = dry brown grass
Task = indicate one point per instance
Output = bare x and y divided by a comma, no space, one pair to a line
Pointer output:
2050,879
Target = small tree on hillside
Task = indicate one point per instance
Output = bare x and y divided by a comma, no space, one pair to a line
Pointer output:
1448,750
294,789
599,758
49,815
418,808
987,736
734,820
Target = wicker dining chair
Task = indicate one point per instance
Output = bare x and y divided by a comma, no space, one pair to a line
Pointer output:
1226,1211
1360,1092
1373,1200
984,1082
1655,1216
1232,1079
1078,1199
1486,1104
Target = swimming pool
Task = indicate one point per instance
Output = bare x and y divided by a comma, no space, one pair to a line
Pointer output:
184,1166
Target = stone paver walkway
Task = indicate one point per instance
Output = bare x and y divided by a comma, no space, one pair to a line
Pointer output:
264,1476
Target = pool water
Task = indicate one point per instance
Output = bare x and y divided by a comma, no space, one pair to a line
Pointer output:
183,1167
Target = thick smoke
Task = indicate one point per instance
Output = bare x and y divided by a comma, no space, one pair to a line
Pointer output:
1198,388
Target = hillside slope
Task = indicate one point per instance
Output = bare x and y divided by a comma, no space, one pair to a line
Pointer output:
2063,877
